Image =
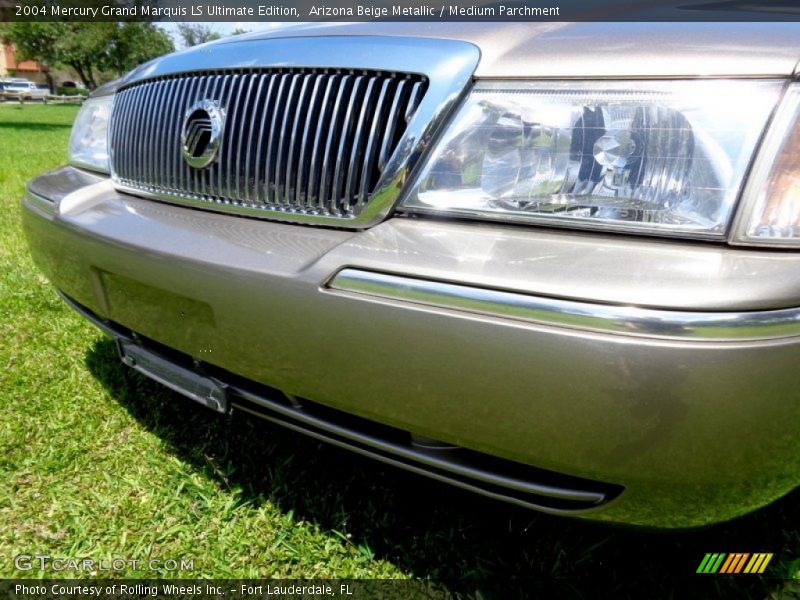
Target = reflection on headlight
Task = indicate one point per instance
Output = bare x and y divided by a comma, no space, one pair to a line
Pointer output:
88,144
658,156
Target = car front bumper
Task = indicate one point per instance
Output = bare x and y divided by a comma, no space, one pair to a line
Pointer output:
658,377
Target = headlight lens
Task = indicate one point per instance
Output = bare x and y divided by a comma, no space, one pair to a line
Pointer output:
655,157
88,144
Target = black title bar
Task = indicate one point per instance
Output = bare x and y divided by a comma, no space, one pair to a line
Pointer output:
400,10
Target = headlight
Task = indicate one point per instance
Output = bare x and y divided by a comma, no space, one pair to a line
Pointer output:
88,144
655,157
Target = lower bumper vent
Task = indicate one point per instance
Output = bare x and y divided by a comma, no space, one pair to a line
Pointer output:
502,479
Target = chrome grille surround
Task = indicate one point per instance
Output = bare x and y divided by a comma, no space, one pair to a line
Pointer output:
334,145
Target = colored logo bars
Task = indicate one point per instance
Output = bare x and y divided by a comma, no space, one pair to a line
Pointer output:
734,563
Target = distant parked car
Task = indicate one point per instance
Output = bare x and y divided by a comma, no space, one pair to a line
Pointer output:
25,90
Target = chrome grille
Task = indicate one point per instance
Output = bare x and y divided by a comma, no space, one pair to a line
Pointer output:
300,141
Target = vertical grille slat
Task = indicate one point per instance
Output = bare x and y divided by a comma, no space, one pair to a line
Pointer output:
369,164
173,183
221,86
146,133
170,88
312,118
357,148
330,144
413,101
344,144
272,143
118,124
283,134
312,194
183,170
313,141
291,167
251,141
263,129
391,124
240,141
203,90
155,133
230,103
156,152
141,132
138,152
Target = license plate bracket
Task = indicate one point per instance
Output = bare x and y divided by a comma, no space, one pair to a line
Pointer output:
195,386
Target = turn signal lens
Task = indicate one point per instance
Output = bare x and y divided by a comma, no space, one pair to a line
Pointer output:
770,213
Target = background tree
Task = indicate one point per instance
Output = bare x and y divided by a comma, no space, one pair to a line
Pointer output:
95,51
34,40
193,34
136,43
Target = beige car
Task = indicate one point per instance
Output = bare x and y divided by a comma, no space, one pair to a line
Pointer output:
558,265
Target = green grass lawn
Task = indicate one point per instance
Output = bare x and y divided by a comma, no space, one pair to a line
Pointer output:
96,461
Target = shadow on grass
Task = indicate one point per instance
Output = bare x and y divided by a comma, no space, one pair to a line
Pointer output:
37,127
467,543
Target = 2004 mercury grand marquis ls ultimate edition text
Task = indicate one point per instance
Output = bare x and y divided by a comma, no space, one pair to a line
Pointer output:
558,264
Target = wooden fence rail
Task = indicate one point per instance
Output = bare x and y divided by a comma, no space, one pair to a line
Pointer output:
47,99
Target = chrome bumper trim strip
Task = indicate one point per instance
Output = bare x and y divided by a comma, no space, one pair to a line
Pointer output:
617,319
